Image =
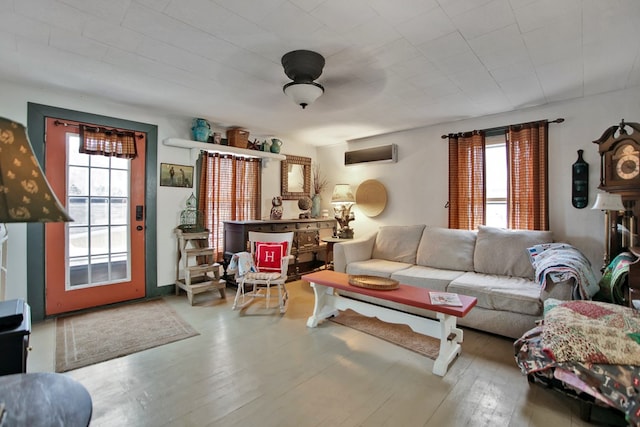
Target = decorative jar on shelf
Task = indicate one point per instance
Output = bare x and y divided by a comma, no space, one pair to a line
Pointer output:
201,130
315,206
275,145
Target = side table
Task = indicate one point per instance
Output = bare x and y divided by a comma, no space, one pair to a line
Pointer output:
14,342
330,241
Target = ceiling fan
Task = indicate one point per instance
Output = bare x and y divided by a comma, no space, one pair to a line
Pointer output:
303,67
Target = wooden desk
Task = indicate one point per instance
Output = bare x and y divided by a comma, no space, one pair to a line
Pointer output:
327,304
44,399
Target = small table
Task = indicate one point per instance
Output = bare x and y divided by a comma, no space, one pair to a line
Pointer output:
330,241
327,304
44,399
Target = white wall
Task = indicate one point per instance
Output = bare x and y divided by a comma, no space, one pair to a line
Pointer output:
417,185
171,200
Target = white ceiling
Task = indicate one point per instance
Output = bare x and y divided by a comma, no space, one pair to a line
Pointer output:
390,64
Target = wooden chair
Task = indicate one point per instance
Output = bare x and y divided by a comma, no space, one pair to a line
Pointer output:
271,253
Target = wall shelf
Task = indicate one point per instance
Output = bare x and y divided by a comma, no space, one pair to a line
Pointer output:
196,147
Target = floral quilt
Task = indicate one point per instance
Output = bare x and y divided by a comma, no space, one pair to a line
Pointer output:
592,332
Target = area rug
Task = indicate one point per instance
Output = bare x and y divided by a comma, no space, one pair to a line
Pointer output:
88,338
401,335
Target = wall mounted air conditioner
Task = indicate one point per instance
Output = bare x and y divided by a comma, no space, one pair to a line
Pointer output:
384,153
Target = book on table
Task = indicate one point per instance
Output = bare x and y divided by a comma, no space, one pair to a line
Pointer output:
445,298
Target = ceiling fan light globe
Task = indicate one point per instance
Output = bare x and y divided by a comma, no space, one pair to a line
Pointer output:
303,94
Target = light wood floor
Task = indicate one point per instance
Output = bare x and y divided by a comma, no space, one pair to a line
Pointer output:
262,369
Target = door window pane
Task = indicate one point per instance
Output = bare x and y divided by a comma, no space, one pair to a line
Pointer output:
78,181
79,210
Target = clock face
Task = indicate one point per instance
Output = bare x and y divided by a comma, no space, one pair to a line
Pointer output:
627,163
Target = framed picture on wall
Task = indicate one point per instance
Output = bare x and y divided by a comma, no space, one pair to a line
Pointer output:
172,175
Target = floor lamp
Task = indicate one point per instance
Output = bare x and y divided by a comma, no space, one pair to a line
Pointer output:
607,202
25,194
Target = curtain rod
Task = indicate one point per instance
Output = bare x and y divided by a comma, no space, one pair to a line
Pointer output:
558,120
61,123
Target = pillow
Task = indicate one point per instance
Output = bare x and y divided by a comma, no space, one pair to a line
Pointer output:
268,256
505,252
398,243
446,248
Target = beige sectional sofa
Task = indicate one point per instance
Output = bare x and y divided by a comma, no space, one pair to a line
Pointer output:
490,264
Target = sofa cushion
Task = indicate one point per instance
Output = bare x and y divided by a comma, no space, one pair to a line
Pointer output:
447,248
426,277
398,243
504,252
376,267
515,294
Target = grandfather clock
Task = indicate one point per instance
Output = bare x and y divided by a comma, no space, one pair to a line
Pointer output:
619,148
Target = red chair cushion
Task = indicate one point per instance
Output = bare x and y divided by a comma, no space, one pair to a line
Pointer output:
269,255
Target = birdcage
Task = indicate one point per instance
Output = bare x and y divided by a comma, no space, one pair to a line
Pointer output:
191,220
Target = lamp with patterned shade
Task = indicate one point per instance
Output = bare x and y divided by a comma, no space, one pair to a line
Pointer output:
25,194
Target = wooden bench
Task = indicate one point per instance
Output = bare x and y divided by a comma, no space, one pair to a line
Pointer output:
327,304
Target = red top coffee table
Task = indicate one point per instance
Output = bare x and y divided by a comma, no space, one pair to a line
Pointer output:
327,304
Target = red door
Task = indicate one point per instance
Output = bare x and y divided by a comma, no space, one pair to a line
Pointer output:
99,258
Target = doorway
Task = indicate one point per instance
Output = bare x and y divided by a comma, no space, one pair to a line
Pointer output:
99,258
36,243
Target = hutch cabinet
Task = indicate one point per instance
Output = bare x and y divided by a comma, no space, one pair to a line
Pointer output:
307,240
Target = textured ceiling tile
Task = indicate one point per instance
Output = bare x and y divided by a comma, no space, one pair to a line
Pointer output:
426,27
399,11
523,91
451,44
467,61
598,77
251,10
112,9
419,66
111,34
25,27
544,13
53,13
482,20
553,43
341,16
208,16
72,42
457,7
521,69
374,32
394,52
289,21
561,80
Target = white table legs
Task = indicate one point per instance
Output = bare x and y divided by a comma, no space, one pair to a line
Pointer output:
327,305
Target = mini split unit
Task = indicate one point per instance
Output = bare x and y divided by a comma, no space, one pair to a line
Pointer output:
384,153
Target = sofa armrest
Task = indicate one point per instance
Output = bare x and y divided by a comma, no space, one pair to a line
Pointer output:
351,251
562,290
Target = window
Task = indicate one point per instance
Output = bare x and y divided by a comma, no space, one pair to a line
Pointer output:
229,190
485,189
496,181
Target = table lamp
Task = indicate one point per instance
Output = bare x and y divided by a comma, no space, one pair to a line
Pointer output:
25,194
342,200
607,202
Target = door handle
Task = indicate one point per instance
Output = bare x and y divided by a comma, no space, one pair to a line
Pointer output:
139,212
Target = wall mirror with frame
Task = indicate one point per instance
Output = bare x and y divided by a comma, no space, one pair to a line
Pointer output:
295,177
